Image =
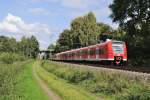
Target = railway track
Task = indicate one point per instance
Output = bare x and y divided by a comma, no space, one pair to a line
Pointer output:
125,68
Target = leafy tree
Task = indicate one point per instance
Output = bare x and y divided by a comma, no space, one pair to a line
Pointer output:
29,46
64,42
84,30
34,46
104,30
8,44
134,17
51,47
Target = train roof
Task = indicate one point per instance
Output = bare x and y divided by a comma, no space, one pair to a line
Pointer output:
108,40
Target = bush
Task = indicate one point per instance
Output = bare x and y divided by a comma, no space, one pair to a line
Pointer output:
8,75
9,58
140,95
99,81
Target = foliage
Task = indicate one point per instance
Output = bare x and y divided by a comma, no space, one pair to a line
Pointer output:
27,87
65,90
8,44
17,83
134,18
51,47
27,46
85,31
9,58
7,79
96,81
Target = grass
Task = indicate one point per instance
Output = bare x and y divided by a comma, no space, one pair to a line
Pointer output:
108,84
17,82
28,89
63,88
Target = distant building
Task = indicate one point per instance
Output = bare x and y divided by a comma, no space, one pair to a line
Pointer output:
45,54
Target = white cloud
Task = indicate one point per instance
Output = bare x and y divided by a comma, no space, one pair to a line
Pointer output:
14,24
39,11
74,3
80,4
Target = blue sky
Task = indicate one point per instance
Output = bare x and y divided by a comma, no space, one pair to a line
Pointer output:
46,19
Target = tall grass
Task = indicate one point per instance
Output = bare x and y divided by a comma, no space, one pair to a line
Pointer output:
8,79
9,58
100,82
16,81
65,90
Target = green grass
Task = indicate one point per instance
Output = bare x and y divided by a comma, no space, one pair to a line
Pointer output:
108,84
63,88
17,82
28,89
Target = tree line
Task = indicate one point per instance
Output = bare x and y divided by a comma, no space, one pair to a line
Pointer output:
85,31
133,17
29,47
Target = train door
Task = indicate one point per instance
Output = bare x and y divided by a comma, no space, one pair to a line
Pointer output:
80,54
97,53
92,53
88,53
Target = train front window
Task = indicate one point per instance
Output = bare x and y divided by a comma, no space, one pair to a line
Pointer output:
117,47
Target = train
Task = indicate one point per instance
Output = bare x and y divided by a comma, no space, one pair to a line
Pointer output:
110,51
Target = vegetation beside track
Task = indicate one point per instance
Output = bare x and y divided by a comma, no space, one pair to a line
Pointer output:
62,87
17,83
110,85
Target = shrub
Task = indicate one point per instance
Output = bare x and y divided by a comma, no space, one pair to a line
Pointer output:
8,75
141,95
9,58
102,81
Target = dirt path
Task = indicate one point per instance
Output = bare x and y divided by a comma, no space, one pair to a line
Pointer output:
43,85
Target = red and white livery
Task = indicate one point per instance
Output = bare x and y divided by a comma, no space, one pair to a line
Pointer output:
110,51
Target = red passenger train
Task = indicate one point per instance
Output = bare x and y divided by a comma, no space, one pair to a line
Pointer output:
110,51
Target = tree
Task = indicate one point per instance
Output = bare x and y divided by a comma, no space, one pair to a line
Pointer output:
134,17
29,46
65,41
51,47
104,31
84,30
8,44
34,46
104,28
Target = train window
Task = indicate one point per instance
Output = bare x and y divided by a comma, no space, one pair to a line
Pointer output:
117,47
78,53
81,52
100,51
92,52
97,51
73,54
84,52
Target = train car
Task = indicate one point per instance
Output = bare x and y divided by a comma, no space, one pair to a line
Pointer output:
110,51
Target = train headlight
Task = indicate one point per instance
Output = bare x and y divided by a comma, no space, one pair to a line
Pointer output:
118,58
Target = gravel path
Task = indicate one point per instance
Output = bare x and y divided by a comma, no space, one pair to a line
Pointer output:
51,95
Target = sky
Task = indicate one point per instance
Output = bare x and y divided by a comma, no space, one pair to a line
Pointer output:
46,19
